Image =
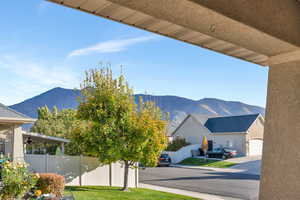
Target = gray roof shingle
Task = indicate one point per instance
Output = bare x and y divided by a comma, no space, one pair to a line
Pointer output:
6,112
231,123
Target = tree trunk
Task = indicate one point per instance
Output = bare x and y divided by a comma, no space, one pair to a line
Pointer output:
126,171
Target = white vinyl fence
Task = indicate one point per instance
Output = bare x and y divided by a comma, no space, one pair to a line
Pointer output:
183,153
79,170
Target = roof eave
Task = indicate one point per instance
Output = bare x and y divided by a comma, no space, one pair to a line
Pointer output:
46,137
17,120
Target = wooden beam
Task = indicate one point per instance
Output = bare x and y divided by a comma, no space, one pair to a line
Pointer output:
284,58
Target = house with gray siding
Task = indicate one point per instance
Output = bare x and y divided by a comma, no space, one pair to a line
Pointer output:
243,133
13,140
11,135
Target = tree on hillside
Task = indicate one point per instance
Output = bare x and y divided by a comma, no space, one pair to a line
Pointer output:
59,124
119,130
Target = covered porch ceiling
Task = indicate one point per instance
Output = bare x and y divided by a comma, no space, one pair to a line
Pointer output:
234,28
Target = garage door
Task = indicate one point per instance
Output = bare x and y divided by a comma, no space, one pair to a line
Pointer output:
255,147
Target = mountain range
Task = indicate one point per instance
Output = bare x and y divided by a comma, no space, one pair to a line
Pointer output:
178,107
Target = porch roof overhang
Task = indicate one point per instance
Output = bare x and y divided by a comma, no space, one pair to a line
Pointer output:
44,138
234,28
5,120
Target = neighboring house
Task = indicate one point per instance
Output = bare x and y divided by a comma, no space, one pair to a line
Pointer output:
13,139
77,170
243,133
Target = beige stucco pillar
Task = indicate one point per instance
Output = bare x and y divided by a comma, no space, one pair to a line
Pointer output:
280,178
62,146
17,148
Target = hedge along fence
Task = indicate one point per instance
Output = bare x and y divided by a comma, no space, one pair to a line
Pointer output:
81,170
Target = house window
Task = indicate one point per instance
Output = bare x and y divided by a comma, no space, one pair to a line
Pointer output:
210,145
229,143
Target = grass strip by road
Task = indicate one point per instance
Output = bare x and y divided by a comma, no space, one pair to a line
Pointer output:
113,193
207,163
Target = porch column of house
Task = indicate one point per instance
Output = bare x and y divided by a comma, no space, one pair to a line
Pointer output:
17,147
62,147
281,154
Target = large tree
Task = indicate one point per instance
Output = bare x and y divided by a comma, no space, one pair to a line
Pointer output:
118,129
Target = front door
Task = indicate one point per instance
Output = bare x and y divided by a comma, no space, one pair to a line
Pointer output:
210,145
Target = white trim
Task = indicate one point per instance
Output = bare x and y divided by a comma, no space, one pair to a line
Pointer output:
46,137
17,120
284,58
259,117
228,133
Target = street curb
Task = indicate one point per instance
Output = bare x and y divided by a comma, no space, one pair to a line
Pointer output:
192,167
199,195
208,168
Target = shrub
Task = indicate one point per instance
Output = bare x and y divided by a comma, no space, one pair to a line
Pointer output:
16,180
177,144
51,184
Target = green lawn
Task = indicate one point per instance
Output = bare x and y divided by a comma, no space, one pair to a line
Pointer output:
207,163
108,193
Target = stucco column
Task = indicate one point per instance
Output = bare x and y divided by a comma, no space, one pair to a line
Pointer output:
280,178
62,146
17,150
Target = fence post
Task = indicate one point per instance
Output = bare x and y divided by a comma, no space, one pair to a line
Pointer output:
110,175
46,163
80,170
136,175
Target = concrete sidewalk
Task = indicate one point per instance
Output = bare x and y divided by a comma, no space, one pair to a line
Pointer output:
201,196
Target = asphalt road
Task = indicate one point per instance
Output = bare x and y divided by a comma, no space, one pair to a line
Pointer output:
237,185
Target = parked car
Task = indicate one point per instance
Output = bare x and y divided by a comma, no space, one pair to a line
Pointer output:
223,153
164,160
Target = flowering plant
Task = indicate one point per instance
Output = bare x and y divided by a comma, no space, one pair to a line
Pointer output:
16,180
38,195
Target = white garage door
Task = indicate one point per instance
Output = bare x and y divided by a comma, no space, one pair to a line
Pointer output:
255,147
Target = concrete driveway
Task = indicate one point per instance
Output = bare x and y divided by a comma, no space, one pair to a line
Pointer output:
247,165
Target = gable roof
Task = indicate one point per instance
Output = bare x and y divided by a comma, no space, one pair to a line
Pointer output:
198,118
239,123
9,115
202,118
179,126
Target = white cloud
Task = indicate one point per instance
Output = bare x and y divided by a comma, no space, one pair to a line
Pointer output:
30,78
45,75
110,46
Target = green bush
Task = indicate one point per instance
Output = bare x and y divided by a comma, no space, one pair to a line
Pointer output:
50,183
16,180
177,144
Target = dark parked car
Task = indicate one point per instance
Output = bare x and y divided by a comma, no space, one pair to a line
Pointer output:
223,153
164,160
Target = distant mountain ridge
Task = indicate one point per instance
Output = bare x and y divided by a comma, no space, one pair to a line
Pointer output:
178,107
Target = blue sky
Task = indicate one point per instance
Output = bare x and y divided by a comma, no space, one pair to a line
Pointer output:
43,45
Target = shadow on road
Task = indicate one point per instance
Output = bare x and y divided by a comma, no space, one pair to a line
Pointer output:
214,175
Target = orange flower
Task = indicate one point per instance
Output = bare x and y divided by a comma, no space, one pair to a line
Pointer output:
38,193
